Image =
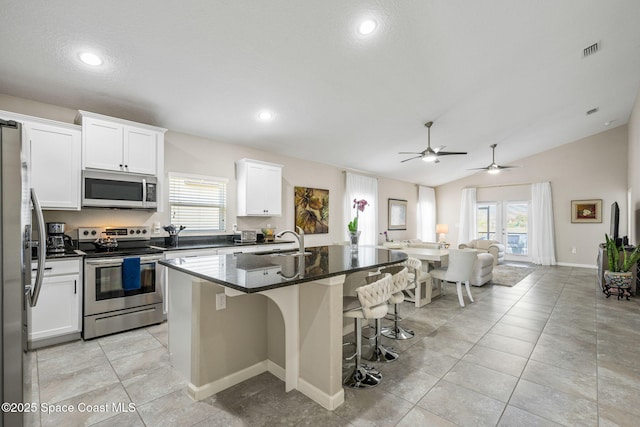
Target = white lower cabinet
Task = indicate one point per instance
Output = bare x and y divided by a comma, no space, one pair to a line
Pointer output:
58,312
260,276
180,254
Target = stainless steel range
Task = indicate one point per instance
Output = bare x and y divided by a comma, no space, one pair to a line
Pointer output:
123,281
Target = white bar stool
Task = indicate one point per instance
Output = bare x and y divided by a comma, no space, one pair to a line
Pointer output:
401,283
370,303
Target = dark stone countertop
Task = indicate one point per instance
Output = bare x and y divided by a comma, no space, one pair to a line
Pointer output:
67,254
254,273
210,242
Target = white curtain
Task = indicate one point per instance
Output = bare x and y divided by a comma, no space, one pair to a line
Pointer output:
426,214
467,231
362,187
541,225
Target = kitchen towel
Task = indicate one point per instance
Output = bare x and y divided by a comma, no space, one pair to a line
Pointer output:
131,274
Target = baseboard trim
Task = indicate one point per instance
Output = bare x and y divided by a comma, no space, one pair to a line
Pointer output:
209,389
277,370
570,264
311,391
325,400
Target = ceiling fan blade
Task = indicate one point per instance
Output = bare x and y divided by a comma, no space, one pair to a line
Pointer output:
449,153
409,152
508,166
410,158
437,149
478,169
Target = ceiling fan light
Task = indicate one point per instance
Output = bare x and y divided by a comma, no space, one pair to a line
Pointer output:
430,157
367,27
493,169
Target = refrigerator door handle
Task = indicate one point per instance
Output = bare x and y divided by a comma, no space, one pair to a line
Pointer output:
34,293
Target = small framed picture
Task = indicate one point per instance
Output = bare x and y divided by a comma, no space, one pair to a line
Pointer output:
397,214
586,210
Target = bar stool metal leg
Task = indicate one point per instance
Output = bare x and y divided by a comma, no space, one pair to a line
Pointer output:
380,352
363,376
396,331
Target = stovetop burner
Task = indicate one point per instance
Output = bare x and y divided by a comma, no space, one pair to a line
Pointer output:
131,240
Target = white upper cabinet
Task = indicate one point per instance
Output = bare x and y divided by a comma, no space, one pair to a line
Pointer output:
55,164
53,151
120,145
140,150
259,188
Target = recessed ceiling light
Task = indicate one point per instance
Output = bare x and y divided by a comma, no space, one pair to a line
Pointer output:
265,116
90,59
367,27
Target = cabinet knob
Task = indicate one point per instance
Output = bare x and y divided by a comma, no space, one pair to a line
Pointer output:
121,165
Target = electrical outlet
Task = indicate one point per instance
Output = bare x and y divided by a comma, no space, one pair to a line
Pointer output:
221,301
573,250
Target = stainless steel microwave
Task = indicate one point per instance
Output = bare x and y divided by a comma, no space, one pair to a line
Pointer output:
119,190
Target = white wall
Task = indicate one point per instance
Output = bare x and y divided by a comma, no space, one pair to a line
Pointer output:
590,168
189,154
633,180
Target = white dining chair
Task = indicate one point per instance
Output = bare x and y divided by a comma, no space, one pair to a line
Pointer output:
459,270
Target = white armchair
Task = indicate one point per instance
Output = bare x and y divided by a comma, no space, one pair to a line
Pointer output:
493,247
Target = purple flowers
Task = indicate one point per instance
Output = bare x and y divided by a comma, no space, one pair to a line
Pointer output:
359,205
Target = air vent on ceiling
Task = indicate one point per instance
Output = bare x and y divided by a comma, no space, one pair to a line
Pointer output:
593,110
590,50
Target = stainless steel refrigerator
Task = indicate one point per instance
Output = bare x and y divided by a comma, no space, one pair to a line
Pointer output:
15,264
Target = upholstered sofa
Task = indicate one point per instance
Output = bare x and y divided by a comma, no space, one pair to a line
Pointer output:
482,269
493,247
417,243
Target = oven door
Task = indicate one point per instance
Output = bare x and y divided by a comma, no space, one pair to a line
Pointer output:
104,291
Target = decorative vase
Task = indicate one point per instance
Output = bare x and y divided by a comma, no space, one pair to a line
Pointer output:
354,236
617,283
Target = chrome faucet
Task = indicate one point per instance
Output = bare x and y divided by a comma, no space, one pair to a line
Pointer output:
299,236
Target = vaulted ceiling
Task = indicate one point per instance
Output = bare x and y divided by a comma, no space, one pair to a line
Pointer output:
504,72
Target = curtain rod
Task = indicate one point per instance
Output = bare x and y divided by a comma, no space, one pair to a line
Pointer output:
357,172
504,185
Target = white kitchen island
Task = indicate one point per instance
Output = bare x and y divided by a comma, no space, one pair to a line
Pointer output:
283,315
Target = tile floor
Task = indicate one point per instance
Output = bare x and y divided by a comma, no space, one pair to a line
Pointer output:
549,351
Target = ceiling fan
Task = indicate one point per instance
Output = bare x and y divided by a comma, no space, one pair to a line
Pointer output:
430,154
494,167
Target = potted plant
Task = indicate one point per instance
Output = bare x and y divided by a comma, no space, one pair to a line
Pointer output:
619,274
354,233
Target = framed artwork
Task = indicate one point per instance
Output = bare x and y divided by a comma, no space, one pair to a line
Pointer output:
312,209
586,210
397,214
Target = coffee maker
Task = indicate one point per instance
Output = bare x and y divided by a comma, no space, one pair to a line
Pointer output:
56,238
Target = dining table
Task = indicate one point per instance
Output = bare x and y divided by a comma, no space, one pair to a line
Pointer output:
431,258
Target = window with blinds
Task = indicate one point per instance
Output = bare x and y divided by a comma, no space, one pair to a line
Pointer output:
198,202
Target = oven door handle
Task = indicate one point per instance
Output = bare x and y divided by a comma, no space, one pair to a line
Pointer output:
116,262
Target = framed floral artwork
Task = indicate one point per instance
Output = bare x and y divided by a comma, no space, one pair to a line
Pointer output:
312,209
586,210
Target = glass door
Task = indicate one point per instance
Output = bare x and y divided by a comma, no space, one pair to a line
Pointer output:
516,230
487,221
508,223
